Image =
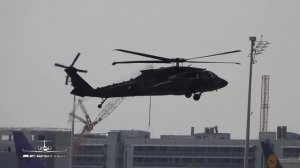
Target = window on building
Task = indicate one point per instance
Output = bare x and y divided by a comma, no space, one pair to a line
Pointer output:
291,152
199,160
5,138
186,160
225,149
41,137
213,149
239,149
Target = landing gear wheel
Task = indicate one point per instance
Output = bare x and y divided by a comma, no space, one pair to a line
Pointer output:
196,97
188,94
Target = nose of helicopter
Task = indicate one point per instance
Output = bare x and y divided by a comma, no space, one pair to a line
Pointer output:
222,83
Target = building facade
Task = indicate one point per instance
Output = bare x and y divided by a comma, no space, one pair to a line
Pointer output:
135,149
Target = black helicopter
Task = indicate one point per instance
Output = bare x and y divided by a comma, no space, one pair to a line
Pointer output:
174,80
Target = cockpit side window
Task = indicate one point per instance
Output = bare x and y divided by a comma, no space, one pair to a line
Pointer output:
205,75
212,75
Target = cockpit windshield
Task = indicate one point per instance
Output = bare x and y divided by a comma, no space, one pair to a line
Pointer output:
212,75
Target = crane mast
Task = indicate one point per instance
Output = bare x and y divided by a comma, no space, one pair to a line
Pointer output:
264,106
89,125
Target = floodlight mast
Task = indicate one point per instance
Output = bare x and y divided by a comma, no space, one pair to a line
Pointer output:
72,135
256,48
246,156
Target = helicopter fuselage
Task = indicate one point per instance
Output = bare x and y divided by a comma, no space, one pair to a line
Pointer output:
174,80
164,81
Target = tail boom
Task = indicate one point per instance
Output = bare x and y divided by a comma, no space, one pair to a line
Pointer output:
81,87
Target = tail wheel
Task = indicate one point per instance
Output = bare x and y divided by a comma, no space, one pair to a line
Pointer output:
188,94
196,97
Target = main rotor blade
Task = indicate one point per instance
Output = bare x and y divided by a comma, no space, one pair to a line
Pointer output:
63,66
229,52
130,62
75,59
144,55
206,62
60,65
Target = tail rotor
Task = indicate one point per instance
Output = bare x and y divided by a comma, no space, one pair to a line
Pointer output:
70,68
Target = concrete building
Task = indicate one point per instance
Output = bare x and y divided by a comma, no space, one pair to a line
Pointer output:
107,151
135,149
208,149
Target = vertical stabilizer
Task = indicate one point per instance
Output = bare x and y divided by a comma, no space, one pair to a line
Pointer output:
21,142
271,159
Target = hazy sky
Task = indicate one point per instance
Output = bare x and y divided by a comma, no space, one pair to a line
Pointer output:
36,34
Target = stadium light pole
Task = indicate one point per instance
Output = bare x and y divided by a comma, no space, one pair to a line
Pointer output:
256,48
246,156
72,135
